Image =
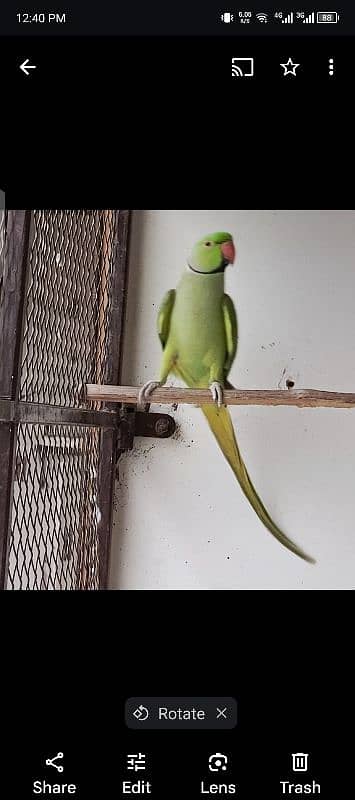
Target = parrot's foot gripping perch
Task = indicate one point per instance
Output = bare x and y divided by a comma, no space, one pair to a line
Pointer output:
216,390
145,392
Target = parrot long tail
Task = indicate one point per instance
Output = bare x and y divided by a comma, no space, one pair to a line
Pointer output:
221,426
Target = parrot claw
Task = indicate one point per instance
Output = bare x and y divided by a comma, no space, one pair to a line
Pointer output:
216,390
145,392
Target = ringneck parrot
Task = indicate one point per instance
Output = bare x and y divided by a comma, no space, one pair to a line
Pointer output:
197,327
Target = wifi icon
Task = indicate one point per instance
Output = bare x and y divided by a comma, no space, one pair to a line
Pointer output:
262,17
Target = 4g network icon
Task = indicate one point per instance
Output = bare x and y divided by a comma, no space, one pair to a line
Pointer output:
242,67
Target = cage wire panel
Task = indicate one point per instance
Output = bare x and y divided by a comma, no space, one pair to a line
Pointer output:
67,305
67,342
55,509
2,241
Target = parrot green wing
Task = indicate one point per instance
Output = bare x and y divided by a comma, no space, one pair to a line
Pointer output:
231,331
164,316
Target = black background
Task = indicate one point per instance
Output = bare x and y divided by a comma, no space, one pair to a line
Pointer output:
151,123
71,660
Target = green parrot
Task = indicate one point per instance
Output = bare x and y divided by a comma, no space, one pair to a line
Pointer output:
197,327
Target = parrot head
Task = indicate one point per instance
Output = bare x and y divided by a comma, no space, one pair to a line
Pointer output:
212,254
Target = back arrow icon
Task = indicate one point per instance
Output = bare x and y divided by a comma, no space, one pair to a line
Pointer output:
27,66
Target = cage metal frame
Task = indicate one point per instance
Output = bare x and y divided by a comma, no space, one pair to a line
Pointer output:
14,412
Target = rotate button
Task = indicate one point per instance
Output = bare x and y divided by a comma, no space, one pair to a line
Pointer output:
214,713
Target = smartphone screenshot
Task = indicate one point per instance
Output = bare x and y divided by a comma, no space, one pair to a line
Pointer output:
177,401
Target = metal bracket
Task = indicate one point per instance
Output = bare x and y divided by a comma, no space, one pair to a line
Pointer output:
12,411
143,423
127,421
148,424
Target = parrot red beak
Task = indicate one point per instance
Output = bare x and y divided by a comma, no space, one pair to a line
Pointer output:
228,251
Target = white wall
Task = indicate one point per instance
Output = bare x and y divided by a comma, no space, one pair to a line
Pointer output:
181,520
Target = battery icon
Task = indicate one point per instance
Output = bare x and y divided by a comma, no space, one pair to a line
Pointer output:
327,16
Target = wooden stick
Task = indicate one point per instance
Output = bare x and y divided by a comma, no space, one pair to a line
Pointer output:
302,398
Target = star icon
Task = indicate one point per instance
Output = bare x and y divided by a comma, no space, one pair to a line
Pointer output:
289,68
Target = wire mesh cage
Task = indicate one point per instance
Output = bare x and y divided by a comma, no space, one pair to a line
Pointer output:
68,303
2,241
54,542
72,312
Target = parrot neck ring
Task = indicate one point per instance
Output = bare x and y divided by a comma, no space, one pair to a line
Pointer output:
223,266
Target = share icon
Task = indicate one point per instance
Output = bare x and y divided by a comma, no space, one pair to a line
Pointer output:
50,762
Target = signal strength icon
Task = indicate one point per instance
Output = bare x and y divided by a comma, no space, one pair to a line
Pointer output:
262,17
288,19
309,19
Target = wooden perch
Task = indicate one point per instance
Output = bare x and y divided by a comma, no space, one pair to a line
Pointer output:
302,398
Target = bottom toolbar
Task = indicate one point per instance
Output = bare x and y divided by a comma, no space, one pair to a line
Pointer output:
215,773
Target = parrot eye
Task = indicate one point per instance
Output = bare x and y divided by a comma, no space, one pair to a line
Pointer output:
208,244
